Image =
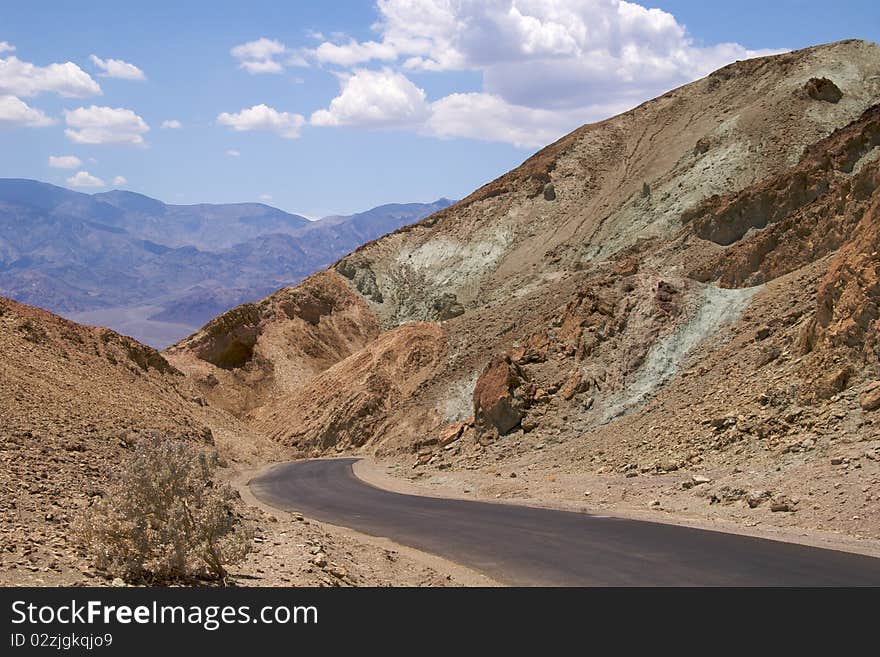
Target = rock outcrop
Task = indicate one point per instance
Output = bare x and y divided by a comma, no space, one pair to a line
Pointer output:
347,405
823,89
259,351
501,395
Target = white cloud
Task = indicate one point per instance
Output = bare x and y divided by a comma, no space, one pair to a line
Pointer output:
119,181
263,117
85,179
5,46
387,99
376,99
116,68
259,56
261,66
64,161
171,124
20,78
297,58
14,111
265,197
233,153
546,67
352,52
486,117
105,125
260,49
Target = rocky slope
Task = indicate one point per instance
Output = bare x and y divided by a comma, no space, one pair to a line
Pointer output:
74,398
690,286
71,399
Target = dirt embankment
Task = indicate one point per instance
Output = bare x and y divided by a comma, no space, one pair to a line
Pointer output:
72,398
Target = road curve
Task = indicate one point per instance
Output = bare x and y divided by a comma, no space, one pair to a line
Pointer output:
527,546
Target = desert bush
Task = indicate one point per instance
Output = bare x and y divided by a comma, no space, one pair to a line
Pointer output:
163,517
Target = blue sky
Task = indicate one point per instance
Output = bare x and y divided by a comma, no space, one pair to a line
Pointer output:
323,108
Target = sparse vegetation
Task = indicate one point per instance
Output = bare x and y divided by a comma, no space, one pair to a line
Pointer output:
164,518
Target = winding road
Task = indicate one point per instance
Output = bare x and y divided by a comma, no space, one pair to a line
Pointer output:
527,546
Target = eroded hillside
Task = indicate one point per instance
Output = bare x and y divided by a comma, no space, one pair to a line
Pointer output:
72,398
688,287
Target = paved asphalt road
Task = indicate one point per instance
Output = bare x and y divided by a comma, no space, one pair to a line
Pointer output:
520,545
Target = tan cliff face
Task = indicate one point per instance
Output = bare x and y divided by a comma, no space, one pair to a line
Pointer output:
346,405
256,352
598,267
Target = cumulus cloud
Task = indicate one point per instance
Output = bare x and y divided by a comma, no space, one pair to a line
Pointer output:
171,124
352,52
487,117
375,99
64,161
263,117
16,112
119,181
546,67
116,68
105,125
387,99
85,179
18,78
5,46
259,56
232,153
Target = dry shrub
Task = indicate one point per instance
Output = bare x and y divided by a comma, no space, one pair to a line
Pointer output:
164,519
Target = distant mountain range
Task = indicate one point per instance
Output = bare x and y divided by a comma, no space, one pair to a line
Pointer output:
157,271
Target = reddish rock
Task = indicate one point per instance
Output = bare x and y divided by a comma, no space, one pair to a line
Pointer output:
451,433
573,385
627,266
870,397
501,395
666,298
833,383
848,299
533,350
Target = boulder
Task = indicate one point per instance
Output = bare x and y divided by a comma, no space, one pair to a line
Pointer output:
783,504
576,383
702,146
451,433
833,383
870,397
501,395
446,306
823,89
